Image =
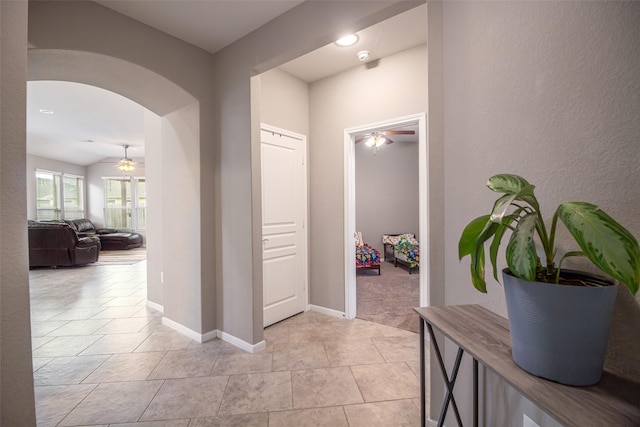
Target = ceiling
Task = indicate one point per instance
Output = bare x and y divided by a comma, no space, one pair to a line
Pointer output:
90,124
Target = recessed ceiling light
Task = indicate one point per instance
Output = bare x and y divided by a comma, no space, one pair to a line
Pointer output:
348,40
45,111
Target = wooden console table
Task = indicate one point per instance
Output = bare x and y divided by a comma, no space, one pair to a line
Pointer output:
484,335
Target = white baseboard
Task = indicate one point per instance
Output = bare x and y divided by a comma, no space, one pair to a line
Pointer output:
196,336
327,311
155,306
241,344
432,423
208,336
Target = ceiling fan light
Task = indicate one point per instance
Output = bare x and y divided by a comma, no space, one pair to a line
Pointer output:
371,141
126,165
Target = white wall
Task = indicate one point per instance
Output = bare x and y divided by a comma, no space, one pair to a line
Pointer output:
346,100
547,90
387,191
36,162
16,374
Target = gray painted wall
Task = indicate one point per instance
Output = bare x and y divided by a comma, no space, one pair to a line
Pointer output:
342,101
16,372
387,191
304,28
87,43
548,90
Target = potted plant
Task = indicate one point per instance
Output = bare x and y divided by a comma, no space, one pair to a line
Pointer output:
559,319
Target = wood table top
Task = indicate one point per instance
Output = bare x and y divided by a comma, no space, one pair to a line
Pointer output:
614,401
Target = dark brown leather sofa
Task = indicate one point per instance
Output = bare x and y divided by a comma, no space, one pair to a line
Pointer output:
111,239
55,244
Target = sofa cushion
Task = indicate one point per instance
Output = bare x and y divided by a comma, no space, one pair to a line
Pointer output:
82,225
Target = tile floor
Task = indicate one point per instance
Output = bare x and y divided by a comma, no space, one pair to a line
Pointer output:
101,357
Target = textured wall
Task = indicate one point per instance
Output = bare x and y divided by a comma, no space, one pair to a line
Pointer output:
547,90
339,102
16,374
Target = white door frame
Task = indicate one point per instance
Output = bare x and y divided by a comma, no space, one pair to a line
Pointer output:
350,204
305,251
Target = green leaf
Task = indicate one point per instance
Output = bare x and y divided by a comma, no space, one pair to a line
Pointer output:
493,250
470,234
477,270
521,253
604,241
507,183
502,204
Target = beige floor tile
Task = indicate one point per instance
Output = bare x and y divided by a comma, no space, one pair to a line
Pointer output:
186,398
116,343
314,388
311,332
257,393
39,362
67,370
80,313
356,329
170,423
117,312
386,381
42,315
276,334
399,349
113,403
124,326
79,327
125,367
65,346
53,403
397,413
241,420
292,357
41,329
164,341
124,301
352,352
186,363
242,363
37,342
333,416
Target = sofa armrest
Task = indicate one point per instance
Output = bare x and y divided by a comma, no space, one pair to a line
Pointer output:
106,230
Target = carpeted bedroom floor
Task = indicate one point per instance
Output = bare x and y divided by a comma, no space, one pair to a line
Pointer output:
389,298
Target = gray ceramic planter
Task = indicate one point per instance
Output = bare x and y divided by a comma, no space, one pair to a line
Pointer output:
560,332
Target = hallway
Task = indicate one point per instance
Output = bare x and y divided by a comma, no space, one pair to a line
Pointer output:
101,357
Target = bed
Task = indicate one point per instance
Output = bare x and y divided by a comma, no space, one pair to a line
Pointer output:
402,248
367,257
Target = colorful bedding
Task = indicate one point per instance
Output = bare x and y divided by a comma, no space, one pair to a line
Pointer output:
366,256
404,247
407,251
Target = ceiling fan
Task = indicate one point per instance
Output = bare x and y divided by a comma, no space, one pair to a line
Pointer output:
379,138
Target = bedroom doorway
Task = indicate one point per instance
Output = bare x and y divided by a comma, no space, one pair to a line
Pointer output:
419,121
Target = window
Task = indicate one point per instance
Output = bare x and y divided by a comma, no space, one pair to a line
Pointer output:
73,191
56,201
126,203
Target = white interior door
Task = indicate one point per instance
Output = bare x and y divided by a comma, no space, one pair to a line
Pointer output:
284,237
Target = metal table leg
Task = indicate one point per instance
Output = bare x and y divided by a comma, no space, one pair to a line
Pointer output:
449,381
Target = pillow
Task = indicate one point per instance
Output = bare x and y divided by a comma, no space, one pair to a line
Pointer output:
358,236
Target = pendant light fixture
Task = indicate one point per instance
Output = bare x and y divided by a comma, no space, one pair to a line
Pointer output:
125,164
